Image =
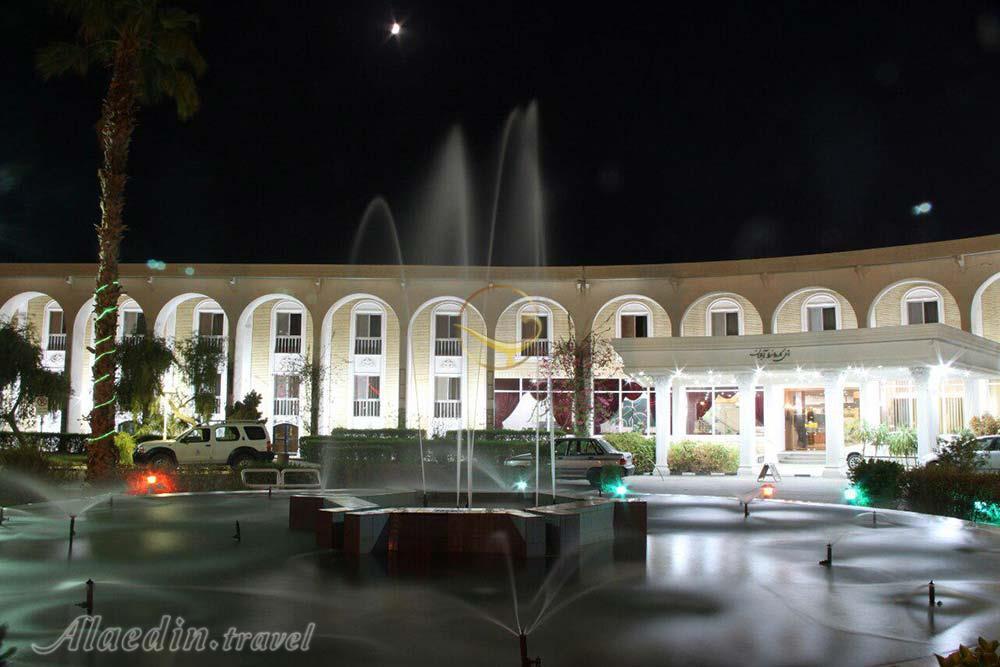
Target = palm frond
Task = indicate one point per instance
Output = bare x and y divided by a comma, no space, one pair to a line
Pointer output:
63,58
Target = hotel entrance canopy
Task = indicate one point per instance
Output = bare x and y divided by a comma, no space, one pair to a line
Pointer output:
925,354
854,351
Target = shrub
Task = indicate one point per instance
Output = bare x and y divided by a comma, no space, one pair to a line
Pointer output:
25,458
902,442
63,443
125,444
962,453
878,479
643,449
694,456
950,491
611,478
985,424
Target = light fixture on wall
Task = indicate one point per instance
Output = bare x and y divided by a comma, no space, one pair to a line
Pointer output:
69,280
232,281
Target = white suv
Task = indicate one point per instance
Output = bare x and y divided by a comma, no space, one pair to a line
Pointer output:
235,443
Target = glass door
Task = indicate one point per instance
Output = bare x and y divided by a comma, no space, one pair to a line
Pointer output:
805,420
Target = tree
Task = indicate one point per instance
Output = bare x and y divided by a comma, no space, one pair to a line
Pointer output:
310,375
576,359
148,53
142,362
26,386
199,360
248,408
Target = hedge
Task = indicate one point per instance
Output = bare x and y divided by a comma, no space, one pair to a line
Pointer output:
62,443
942,490
643,449
704,457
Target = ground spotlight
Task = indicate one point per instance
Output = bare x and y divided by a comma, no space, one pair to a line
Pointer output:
621,490
767,491
520,485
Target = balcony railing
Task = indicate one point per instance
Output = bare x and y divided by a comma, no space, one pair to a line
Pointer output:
448,347
535,348
286,407
367,345
218,342
448,409
129,339
288,344
57,343
366,407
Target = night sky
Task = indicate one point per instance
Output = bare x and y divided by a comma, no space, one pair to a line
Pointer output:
666,133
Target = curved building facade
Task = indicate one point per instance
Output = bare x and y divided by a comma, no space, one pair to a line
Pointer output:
781,355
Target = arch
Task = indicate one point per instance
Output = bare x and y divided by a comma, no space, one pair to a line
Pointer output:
791,310
608,316
508,362
35,307
987,300
337,354
169,312
242,348
694,322
888,306
423,367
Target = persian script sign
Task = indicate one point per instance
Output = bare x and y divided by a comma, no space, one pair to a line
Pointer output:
775,355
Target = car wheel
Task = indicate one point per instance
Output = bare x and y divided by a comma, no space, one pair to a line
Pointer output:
594,477
854,460
241,461
162,461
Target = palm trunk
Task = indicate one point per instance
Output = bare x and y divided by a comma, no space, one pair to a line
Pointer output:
114,135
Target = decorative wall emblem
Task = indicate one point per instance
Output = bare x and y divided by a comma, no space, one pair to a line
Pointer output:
774,355
366,362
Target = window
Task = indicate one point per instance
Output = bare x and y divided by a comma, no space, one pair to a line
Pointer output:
448,397
448,335
716,411
57,330
368,325
447,389
366,387
922,306
195,435
820,313
255,432
286,386
226,433
724,318
211,324
133,323
368,333
534,334
521,403
633,321
621,406
288,324
288,332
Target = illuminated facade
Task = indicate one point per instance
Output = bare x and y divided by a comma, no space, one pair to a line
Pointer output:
754,352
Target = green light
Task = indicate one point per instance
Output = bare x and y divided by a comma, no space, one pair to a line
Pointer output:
621,490
855,495
851,494
986,512
520,485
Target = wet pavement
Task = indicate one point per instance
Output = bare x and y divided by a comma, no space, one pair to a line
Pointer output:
707,587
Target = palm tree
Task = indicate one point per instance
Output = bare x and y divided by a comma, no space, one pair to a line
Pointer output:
148,52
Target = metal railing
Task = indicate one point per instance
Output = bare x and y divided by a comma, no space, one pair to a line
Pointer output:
286,407
366,407
129,339
448,347
448,409
535,348
367,345
57,343
216,341
288,344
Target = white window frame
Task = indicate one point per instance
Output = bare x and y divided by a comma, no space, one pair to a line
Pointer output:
367,308
820,300
541,310
724,304
920,294
208,306
49,307
130,306
634,308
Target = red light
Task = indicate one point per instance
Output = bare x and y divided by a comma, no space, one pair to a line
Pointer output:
621,461
767,491
151,479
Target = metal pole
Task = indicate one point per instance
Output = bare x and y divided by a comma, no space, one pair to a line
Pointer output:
552,432
469,444
458,468
537,453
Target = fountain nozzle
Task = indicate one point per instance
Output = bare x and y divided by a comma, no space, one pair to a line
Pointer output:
238,537
88,604
525,660
2,517
829,556
72,525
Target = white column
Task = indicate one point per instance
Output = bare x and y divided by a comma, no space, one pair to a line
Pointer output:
833,410
662,386
926,410
972,399
871,402
748,423
774,421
